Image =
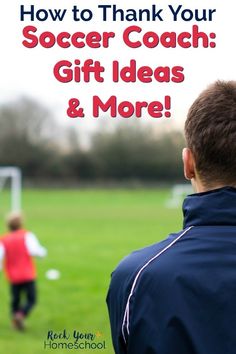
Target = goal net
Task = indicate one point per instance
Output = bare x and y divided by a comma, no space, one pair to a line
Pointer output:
11,176
178,193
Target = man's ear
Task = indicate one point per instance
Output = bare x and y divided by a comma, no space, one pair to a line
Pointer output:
189,165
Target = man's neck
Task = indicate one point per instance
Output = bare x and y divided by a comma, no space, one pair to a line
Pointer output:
200,187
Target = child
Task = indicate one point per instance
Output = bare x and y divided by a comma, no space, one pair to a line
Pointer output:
17,249
178,296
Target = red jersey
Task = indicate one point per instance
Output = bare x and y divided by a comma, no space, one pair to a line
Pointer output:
18,264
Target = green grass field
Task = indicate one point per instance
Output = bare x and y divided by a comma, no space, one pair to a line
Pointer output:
86,233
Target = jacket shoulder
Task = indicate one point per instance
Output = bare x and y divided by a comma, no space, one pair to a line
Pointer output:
136,262
137,259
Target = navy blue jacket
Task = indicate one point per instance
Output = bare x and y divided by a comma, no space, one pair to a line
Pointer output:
179,296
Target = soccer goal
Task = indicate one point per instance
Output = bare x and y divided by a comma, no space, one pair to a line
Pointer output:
12,174
178,193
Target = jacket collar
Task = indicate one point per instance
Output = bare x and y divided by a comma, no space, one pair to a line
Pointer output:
215,207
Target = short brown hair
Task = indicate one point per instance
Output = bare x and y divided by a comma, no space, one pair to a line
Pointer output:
14,221
210,132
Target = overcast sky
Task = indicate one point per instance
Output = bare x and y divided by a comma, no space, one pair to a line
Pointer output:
29,72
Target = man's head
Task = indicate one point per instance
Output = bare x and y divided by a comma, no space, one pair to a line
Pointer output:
14,221
210,131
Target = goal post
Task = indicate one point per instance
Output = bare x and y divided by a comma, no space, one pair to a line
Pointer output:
178,193
14,175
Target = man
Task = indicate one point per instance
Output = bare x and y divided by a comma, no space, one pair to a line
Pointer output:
179,296
17,249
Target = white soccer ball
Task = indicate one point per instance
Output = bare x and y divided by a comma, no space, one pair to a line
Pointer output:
52,274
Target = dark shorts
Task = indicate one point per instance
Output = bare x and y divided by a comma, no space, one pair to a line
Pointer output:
23,297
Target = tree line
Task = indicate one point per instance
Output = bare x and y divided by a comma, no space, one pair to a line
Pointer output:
31,139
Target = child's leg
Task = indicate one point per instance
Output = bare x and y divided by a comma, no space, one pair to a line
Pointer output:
15,298
30,290
17,315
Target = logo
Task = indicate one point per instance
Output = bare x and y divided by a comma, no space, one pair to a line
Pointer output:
74,339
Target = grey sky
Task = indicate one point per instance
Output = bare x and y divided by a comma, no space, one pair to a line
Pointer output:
30,71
